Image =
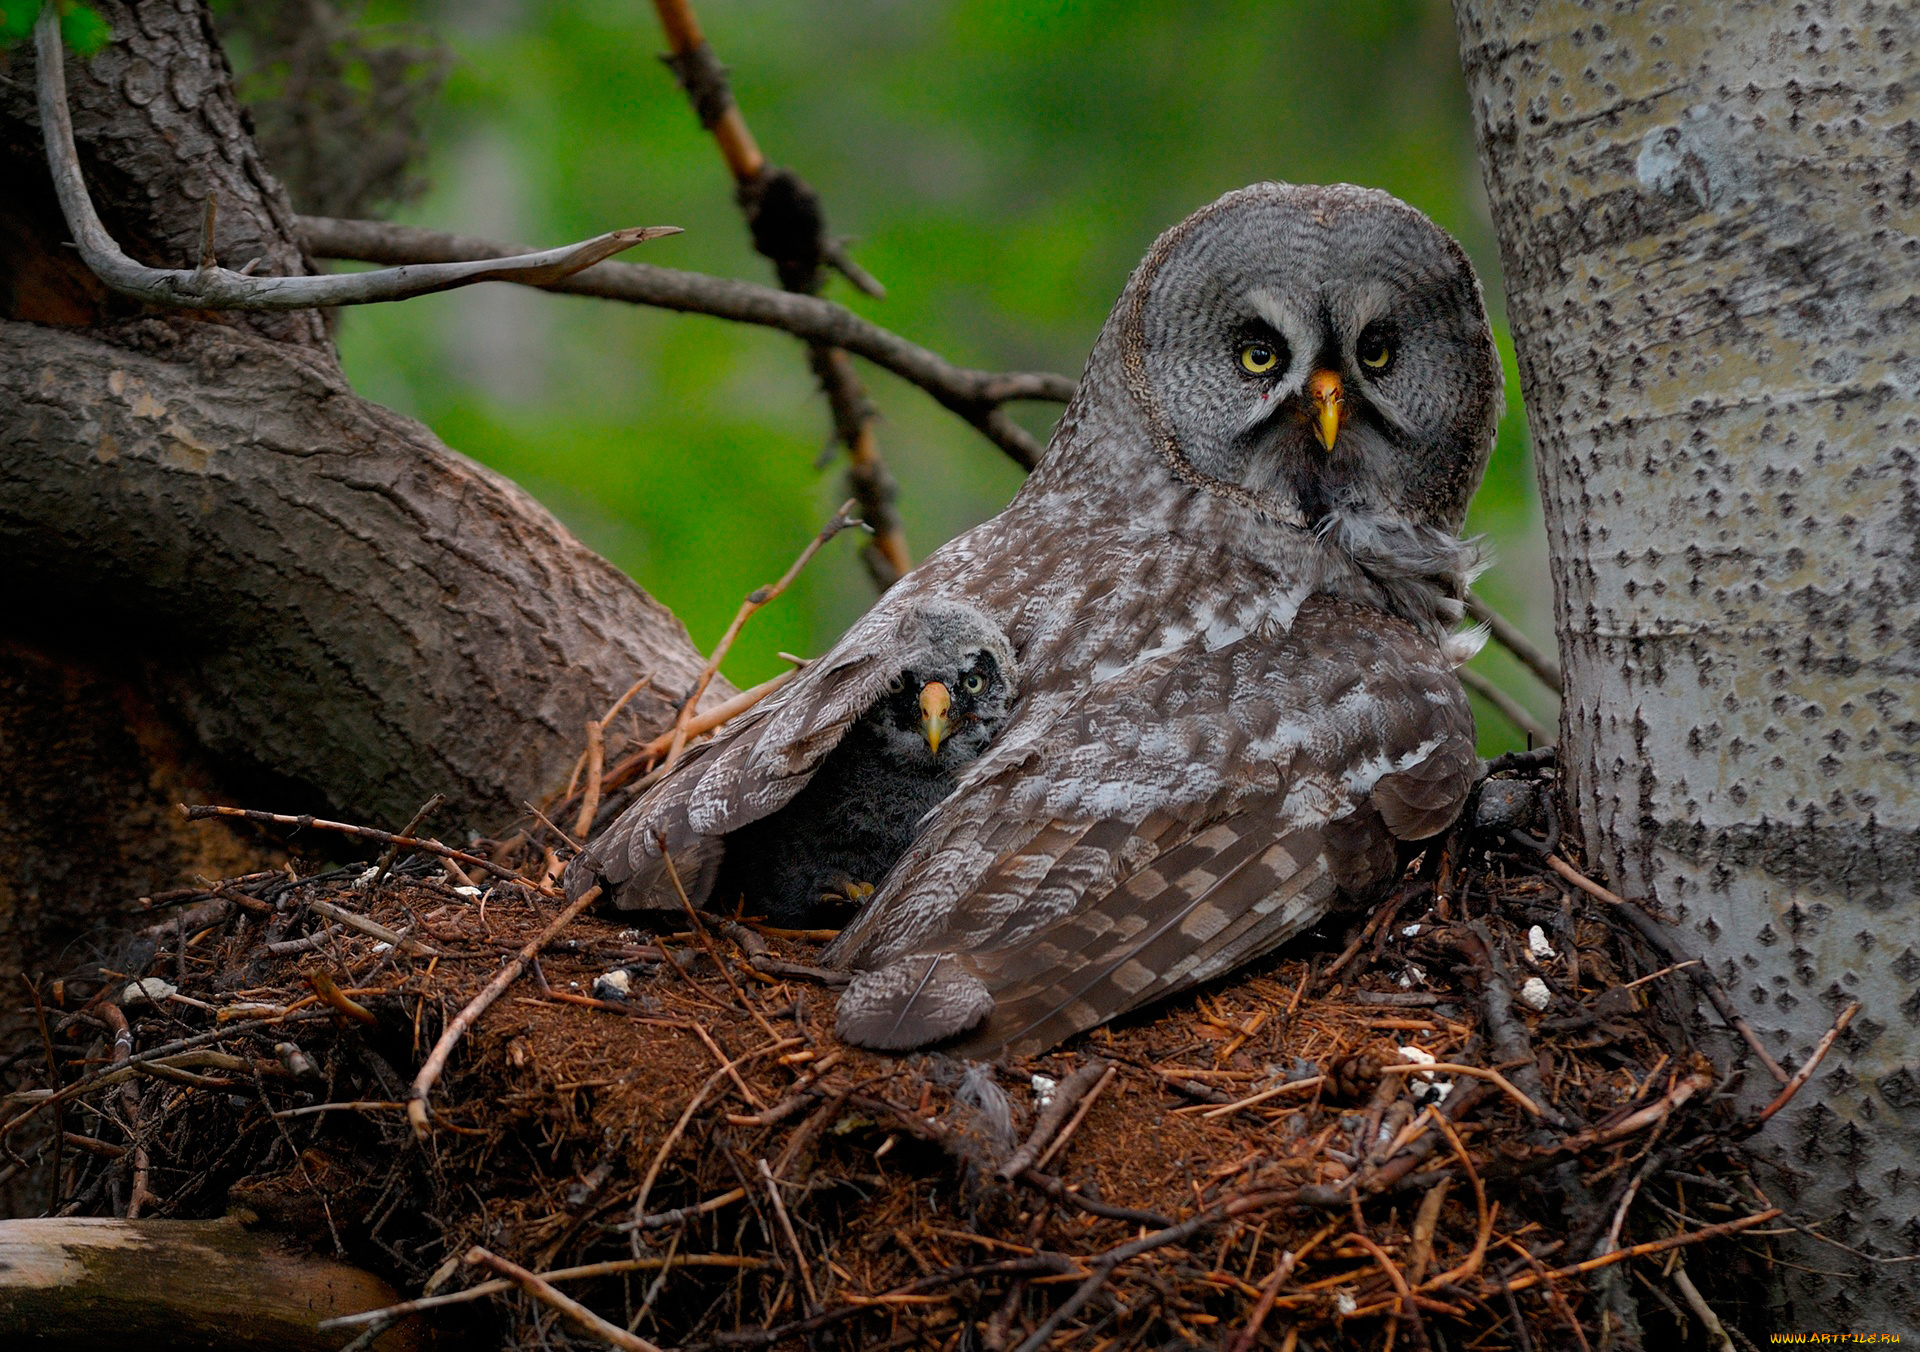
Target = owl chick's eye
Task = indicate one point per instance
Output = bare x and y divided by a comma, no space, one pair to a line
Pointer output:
974,683
1258,358
896,685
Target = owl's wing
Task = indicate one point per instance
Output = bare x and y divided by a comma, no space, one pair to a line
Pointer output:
751,769
1173,821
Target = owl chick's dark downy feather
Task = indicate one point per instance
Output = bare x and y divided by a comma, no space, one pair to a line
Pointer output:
1231,584
909,717
814,860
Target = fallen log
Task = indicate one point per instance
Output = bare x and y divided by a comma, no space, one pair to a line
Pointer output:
159,1285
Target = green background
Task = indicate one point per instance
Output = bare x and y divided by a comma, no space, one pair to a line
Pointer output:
999,166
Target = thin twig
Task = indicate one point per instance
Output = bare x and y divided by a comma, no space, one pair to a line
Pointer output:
757,598
1494,1077
548,822
1409,1304
325,987
1248,1337
210,287
793,1240
661,1219
1059,1142
353,1106
427,809
1703,1311
1507,634
613,1267
789,229
1802,1075
596,765
436,1061
1272,1091
1641,1119
1066,1096
975,396
551,1296
202,811
1510,708
1642,1250
1484,1231
631,765
1656,934
371,927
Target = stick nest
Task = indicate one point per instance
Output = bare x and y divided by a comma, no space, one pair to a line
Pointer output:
1251,1166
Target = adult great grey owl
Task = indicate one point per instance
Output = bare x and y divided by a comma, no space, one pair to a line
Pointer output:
1231,585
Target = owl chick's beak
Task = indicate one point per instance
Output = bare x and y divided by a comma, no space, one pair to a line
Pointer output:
935,701
1329,406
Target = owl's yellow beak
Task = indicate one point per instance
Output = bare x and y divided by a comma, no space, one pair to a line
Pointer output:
1329,403
935,701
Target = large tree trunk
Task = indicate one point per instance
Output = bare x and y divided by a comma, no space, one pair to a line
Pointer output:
1710,226
226,569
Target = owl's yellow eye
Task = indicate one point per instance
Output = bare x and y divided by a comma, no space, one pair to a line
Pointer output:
1259,358
1376,355
974,683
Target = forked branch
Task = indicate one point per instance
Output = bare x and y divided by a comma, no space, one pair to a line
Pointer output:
975,395
212,287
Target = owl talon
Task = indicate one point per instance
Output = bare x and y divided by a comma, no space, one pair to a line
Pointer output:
855,892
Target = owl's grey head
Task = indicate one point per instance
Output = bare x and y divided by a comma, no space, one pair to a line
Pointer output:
1320,354
954,687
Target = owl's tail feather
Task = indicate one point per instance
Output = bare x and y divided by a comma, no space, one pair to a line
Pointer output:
911,1002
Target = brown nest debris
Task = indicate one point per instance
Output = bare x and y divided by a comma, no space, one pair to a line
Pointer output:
1461,1121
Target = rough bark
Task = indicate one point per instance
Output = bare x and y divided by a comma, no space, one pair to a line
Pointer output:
226,570
75,1285
329,596
1710,227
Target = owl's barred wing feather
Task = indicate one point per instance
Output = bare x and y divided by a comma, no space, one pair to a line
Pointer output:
753,768
1201,909
1220,814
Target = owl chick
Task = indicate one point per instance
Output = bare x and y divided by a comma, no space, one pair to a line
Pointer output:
818,857
805,850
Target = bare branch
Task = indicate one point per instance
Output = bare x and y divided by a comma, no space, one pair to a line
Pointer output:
975,395
1510,708
211,287
788,224
1507,634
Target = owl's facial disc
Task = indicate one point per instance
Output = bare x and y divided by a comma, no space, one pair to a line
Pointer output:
1315,353
946,706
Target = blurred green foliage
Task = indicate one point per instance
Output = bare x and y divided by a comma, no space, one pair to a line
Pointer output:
1000,166
81,27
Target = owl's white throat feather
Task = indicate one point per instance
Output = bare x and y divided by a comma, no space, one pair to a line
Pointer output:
1422,569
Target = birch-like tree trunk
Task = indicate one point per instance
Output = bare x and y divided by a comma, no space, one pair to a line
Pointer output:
1710,224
